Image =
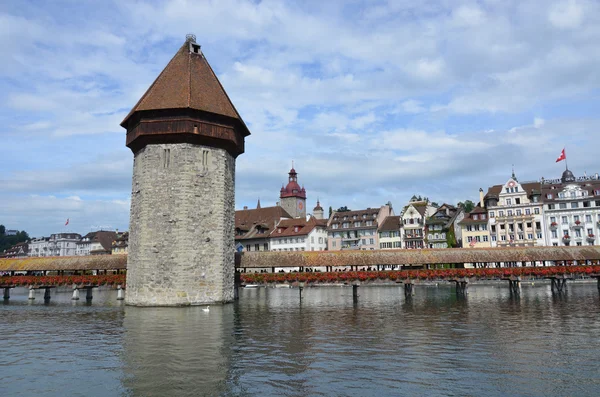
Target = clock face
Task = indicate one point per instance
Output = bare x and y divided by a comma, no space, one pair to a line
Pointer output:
511,184
300,205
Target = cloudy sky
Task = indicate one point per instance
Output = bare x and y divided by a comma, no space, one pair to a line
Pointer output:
373,100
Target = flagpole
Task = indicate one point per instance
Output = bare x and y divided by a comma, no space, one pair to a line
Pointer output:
566,165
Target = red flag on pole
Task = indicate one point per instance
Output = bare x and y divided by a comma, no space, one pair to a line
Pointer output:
562,156
67,222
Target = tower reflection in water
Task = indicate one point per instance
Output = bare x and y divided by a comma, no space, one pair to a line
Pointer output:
177,351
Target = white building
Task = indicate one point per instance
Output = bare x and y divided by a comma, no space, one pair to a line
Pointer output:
413,223
96,243
299,235
59,244
515,214
572,210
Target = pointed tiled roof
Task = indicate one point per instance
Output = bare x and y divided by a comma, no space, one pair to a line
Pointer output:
187,82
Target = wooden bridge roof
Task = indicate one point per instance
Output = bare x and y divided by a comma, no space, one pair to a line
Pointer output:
416,257
331,258
92,262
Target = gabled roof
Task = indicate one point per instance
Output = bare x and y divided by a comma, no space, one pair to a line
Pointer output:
287,227
187,82
370,214
391,223
478,210
247,222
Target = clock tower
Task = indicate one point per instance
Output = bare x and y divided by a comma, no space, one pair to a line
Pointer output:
293,197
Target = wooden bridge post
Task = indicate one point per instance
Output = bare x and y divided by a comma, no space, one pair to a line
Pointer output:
46,294
31,293
409,288
355,292
237,282
88,293
6,293
300,288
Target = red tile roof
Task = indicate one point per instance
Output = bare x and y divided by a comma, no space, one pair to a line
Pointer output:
249,223
297,227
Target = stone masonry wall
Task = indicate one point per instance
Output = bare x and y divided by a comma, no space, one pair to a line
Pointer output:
181,240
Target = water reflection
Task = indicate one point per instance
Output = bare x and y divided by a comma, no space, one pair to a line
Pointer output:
177,351
489,342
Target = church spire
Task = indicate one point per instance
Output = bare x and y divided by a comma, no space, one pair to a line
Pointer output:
258,204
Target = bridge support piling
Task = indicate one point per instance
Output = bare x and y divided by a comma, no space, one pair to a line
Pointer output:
6,293
75,293
409,288
120,296
88,294
31,293
462,286
355,292
46,294
558,284
300,289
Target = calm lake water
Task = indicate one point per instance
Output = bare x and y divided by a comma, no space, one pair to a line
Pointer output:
270,344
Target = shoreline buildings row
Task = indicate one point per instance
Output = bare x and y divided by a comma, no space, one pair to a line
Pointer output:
557,212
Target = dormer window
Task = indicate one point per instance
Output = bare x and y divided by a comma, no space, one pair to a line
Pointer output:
475,216
296,228
549,195
279,230
482,217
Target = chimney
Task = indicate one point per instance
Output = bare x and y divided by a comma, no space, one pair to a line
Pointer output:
245,207
481,197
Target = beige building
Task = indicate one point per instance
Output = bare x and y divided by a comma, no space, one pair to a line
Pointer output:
475,232
120,244
389,233
356,229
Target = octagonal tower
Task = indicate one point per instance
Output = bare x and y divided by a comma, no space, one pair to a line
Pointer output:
185,135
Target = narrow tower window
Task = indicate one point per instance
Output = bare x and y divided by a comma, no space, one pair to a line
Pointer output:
166,158
205,161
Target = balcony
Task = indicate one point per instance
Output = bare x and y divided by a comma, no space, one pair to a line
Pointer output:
591,237
577,225
566,238
350,247
509,218
440,237
350,238
553,225
413,236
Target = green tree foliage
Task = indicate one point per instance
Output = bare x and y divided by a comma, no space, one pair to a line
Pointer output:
8,241
467,205
343,209
330,211
451,238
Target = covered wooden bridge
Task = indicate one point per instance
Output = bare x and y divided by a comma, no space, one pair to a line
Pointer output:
65,264
423,258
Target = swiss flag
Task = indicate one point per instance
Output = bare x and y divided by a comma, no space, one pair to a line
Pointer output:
562,156
67,222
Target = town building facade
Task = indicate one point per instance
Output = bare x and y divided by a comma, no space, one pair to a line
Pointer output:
120,243
475,231
58,244
515,214
299,234
413,223
571,210
390,233
356,229
443,228
254,226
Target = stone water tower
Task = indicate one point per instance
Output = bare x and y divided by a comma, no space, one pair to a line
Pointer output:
185,135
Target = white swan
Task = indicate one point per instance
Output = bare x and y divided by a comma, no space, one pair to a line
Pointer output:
206,309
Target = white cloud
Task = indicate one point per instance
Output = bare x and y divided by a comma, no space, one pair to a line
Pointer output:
566,14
